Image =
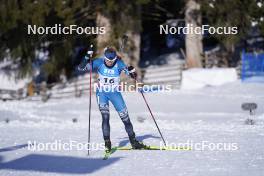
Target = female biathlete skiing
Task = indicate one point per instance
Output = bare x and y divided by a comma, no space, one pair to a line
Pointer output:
109,69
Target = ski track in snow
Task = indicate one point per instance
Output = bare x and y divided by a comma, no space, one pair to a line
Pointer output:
212,114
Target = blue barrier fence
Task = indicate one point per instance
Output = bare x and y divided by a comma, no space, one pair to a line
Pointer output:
252,67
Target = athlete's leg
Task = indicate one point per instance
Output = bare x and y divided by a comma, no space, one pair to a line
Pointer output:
103,104
120,106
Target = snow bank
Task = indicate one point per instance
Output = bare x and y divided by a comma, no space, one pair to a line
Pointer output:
198,78
10,83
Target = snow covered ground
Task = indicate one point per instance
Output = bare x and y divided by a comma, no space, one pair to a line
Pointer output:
211,114
8,79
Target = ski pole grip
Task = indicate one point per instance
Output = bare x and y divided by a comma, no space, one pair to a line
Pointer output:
90,51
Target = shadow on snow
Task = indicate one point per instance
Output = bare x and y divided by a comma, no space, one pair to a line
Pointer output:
57,164
140,138
12,148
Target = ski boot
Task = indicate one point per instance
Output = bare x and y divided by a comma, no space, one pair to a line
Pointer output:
136,144
108,146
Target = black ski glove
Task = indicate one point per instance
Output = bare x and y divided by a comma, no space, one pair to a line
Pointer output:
86,60
132,72
83,64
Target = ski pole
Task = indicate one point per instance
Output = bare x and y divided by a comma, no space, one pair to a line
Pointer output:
121,49
145,100
90,101
153,118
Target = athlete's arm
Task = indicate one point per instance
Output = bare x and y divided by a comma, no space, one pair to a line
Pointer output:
129,70
85,64
122,67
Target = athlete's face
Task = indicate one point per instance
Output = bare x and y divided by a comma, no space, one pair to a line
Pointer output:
109,63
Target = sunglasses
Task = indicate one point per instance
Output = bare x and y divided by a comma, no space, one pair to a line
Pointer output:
110,60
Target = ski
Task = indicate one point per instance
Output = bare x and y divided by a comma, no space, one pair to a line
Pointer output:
108,153
126,148
154,148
